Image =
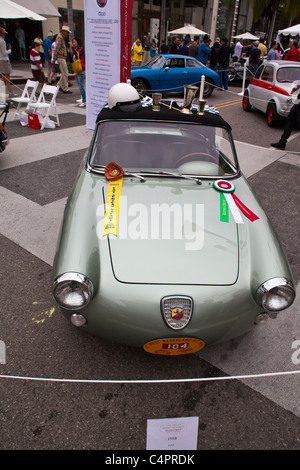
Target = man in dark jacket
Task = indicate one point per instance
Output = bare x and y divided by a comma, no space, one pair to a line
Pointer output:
223,63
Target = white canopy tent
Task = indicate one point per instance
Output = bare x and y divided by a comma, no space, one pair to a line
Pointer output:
292,31
188,29
42,7
10,10
249,36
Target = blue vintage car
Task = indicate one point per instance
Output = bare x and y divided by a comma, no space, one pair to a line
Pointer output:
169,73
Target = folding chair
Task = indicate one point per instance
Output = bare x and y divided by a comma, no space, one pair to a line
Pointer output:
28,96
47,101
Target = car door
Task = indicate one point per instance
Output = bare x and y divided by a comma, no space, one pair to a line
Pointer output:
194,71
267,85
173,74
262,87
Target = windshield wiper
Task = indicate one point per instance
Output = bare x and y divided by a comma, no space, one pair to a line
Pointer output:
168,173
126,173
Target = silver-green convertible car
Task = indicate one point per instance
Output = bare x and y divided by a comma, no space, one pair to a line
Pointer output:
163,244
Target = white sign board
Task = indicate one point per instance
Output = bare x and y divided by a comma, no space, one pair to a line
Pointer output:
172,433
107,55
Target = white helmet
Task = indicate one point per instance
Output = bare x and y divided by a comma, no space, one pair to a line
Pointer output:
124,97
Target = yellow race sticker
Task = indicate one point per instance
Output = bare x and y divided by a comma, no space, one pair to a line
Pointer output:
174,346
112,207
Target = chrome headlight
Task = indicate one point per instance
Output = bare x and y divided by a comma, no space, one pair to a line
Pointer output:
276,294
72,290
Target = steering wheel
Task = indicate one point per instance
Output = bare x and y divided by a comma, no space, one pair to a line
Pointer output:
189,155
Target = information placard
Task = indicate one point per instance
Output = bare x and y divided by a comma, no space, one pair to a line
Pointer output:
107,36
172,433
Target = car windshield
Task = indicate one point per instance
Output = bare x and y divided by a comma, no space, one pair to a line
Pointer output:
156,62
155,147
288,74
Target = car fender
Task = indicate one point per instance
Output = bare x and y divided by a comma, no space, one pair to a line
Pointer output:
261,254
274,100
78,244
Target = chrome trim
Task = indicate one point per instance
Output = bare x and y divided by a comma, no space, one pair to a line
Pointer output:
73,277
267,286
175,297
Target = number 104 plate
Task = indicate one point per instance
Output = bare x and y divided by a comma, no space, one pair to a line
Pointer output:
174,346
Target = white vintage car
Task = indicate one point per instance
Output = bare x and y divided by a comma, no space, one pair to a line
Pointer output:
270,89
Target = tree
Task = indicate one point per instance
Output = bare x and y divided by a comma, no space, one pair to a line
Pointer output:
269,8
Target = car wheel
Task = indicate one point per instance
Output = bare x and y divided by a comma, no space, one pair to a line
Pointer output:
246,103
141,86
231,74
272,115
208,88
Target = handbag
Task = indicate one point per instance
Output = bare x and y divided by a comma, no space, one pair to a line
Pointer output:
77,65
33,121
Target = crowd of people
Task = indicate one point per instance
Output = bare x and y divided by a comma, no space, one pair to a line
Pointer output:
218,55
48,58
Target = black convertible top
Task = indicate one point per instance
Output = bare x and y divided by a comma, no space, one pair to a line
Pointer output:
165,114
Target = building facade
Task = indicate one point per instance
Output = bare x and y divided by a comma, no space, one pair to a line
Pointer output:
154,18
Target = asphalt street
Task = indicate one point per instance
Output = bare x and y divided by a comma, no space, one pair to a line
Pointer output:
236,411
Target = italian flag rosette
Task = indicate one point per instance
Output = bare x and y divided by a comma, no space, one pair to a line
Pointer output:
228,200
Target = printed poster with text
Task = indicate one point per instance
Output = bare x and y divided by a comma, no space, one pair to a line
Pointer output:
107,50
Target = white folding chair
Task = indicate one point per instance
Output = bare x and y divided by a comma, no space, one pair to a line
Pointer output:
28,96
47,102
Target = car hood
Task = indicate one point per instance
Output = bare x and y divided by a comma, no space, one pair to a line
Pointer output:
141,67
170,232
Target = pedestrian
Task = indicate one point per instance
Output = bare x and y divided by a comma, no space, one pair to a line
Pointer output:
60,54
278,52
39,40
184,49
146,44
153,48
193,48
204,50
213,61
78,52
272,55
174,46
254,55
164,48
223,63
137,53
292,119
293,53
48,52
5,66
36,63
238,49
54,67
263,50
20,37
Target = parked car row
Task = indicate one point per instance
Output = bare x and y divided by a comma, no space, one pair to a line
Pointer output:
269,90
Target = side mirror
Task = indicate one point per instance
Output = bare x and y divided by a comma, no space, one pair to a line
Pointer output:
166,68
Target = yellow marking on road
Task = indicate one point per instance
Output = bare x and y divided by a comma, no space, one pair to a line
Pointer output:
42,316
229,103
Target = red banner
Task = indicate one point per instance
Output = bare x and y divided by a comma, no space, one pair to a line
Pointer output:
125,39
251,216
